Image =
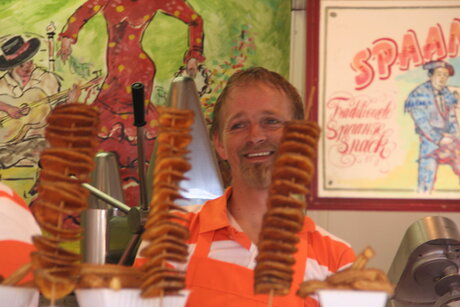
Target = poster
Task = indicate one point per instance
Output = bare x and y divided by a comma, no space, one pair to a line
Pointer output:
378,138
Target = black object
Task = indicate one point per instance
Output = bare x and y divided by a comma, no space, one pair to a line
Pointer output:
137,90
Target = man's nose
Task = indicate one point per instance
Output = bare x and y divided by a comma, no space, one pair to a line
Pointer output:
257,134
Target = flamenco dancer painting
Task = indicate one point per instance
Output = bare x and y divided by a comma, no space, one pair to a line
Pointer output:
128,63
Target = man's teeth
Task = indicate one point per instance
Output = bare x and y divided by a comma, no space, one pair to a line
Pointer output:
259,154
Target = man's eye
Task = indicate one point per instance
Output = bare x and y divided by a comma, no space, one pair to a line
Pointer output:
236,126
272,122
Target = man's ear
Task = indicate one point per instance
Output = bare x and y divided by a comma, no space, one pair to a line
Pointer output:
219,146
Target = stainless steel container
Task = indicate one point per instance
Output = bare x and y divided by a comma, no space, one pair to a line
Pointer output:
204,179
105,228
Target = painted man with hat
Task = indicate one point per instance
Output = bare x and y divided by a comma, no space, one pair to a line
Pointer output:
432,107
23,109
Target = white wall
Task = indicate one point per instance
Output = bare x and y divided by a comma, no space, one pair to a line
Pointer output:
382,230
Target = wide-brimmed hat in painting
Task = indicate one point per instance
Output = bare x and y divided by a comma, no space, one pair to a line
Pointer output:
17,51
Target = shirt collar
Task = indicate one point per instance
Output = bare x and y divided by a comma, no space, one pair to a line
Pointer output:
308,225
214,216
10,80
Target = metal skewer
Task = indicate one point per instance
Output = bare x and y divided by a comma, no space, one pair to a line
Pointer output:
139,122
138,216
106,197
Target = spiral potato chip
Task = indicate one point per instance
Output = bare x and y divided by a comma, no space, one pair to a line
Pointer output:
164,231
71,133
292,173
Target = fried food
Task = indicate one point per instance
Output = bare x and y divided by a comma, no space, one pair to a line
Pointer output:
163,286
285,202
356,277
309,287
61,194
51,245
54,176
162,274
363,258
162,216
77,109
292,173
72,131
161,259
293,145
271,245
291,176
66,161
165,195
175,139
71,134
71,120
43,259
295,160
286,187
110,276
83,143
56,282
276,234
287,213
167,175
278,256
172,247
63,234
177,118
16,276
164,230
271,284
373,285
351,275
283,223
173,163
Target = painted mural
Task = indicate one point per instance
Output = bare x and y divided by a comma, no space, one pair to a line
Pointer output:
54,51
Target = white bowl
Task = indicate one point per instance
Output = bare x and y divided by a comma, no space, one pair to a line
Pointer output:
352,298
126,298
14,296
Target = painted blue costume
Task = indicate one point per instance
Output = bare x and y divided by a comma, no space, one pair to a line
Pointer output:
432,120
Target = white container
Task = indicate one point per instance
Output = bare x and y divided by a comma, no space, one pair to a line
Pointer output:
352,298
14,296
126,298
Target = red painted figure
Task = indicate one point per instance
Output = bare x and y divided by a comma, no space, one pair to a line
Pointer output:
127,63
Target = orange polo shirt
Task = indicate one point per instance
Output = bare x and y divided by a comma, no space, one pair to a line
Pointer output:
324,253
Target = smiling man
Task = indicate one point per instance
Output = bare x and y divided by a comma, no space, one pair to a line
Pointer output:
247,127
246,130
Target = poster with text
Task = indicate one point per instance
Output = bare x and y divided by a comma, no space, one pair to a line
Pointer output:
389,91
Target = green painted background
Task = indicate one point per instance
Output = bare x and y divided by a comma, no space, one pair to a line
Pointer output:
249,32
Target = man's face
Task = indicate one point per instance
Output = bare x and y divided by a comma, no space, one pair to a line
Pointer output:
25,69
252,121
439,78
